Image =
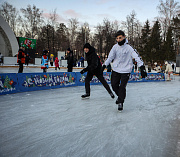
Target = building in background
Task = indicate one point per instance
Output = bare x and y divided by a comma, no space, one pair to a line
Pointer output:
8,42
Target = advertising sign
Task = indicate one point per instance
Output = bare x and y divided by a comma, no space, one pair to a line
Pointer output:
27,42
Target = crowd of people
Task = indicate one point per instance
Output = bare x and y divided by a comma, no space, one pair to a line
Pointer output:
125,60
24,58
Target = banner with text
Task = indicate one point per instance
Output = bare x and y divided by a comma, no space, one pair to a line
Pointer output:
21,82
39,81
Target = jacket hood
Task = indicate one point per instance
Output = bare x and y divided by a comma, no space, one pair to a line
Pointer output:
166,62
87,45
91,50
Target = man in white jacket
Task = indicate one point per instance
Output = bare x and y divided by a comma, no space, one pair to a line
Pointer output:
168,70
122,54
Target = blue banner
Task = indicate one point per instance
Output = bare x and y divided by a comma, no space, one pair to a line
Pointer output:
39,81
136,77
8,83
22,82
94,81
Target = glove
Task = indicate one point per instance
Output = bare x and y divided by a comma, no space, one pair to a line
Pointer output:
143,71
82,71
103,67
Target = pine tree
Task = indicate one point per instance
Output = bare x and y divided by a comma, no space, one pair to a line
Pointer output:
145,47
155,43
169,53
6,83
70,78
176,32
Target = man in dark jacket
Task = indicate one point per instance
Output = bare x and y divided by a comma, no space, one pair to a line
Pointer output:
94,68
70,60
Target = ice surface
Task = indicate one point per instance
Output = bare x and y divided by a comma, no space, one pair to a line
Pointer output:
58,123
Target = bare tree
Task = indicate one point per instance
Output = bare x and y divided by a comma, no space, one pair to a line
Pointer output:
167,10
31,21
108,33
73,26
133,28
53,23
10,14
83,36
99,38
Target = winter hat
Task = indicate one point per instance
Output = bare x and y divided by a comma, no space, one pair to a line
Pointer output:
45,52
87,45
68,49
119,33
166,62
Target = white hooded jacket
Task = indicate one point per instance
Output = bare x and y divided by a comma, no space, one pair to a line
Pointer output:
168,67
122,56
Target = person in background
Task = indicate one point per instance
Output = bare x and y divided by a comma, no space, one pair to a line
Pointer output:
94,68
173,67
135,66
82,61
27,59
158,69
70,60
168,70
51,59
149,66
1,59
44,61
122,55
21,58
57,64
163,68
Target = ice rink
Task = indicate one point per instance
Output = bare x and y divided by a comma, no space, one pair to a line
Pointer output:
58,123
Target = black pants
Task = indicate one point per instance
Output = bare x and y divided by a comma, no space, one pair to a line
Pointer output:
101,79
57,67
82,64
119,87
44,70
20,68
70,68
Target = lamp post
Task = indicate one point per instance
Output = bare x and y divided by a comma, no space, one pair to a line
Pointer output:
85,26
76,54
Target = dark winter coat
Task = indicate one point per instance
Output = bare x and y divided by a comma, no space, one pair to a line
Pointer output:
93,61
21,56
27,58
70,59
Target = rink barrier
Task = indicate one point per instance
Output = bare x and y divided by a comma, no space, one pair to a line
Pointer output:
23,82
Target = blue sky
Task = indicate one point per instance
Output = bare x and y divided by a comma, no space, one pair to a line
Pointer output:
93,11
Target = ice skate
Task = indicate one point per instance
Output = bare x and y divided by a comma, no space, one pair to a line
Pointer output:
112,95
85,96
120,107
168,79
117,101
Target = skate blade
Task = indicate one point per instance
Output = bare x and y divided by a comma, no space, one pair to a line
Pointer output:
85,98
